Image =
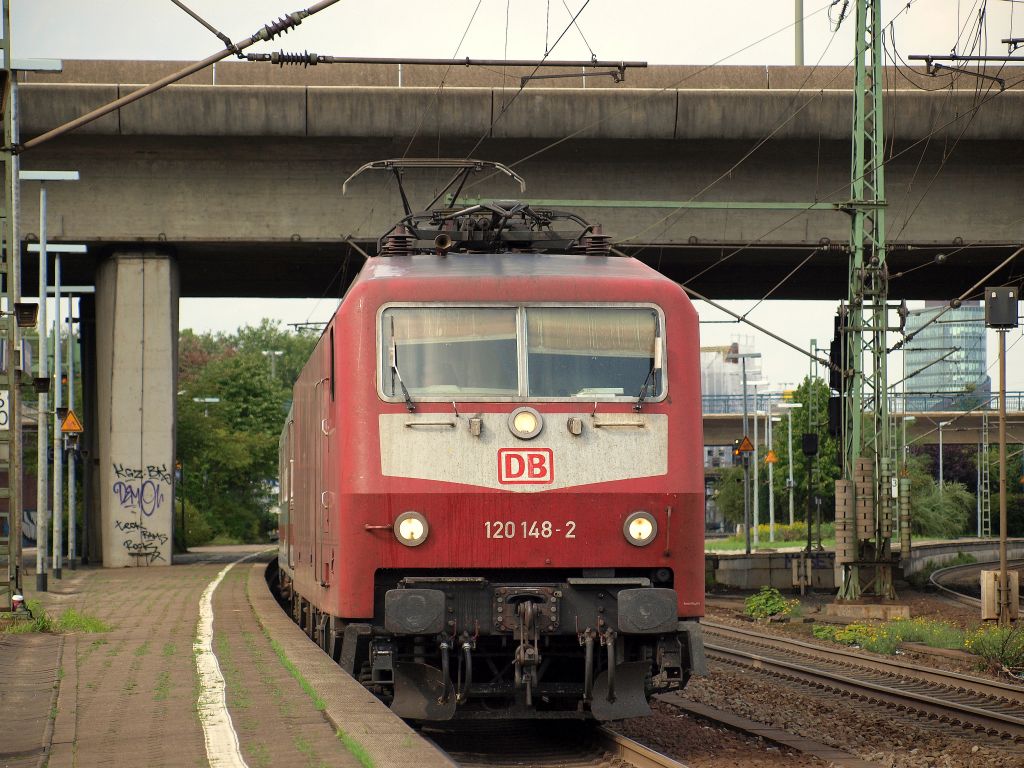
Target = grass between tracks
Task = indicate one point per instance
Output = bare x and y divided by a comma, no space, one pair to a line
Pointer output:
1001,649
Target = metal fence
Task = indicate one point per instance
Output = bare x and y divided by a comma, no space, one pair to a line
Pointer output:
904,402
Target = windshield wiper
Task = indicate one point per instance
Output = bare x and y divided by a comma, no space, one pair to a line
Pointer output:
395,373
643,390
655,366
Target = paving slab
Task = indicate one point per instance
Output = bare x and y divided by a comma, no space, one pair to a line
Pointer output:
29,673
128,696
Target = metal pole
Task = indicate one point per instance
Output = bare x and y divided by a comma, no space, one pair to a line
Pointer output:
746,462
790,454
42,462
72,485
1004,584
978,486
798,30
941,423
771,475
757,476
58,458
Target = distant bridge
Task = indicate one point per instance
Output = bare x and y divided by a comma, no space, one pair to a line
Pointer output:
723,421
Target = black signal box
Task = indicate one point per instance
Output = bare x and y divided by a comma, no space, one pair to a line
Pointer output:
1001,307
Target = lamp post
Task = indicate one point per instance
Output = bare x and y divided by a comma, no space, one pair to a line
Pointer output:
273,354
742,357
58,410
771,473
790,407
42,432
757,467
941,481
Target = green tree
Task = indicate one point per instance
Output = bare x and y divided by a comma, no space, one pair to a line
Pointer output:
729,494
228,448
813,395
944,515
1014,488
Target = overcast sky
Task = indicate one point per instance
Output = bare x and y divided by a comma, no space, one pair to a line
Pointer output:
657,31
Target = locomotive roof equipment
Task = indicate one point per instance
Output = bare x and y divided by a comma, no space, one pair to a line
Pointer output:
497,226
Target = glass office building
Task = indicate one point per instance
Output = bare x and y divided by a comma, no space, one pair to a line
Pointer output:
945,364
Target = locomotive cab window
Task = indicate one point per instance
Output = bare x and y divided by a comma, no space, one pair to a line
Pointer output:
593,352
449,352
540,352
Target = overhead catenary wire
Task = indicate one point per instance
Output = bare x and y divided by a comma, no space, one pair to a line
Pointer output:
505,107
757,146
639,101
266,33
216,32
805,210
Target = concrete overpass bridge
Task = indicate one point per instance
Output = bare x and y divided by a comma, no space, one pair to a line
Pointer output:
229,185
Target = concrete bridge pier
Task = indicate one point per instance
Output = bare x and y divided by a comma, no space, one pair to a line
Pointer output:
136,371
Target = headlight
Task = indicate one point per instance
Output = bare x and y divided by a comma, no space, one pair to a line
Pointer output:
640,528
411,529
525,423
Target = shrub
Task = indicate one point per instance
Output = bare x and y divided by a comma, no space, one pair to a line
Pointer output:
769,602
1002,648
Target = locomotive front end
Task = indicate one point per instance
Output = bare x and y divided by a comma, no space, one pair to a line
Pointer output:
493,471
546,555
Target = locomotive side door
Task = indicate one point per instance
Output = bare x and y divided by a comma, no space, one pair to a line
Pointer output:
325,497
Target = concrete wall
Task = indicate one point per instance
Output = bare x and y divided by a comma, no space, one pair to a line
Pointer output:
768,569
941,553
137,328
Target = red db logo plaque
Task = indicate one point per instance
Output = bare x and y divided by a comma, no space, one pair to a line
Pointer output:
518,466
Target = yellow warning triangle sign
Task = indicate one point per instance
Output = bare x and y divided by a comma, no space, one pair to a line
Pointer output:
746,446
771,458
71,423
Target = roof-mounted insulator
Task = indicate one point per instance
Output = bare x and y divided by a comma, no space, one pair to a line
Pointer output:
398,243
595,242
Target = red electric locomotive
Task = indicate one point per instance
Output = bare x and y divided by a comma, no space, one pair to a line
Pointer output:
491,476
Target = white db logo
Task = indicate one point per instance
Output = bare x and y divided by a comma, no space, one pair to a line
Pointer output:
525,465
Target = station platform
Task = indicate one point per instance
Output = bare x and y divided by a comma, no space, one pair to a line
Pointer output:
149,692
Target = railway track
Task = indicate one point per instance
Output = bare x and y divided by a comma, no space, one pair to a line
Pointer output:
539,744
985,706
941,579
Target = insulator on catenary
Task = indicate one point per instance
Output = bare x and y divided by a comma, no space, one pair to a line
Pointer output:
283,57
283,24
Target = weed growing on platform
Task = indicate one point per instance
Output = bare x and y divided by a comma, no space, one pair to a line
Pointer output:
770,602
69,621
357,750
1002,648
351,744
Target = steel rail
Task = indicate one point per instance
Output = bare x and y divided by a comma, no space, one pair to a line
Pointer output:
541,744
634,753
993,688
941,574
1003,715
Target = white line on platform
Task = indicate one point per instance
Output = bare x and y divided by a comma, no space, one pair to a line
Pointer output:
222,748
